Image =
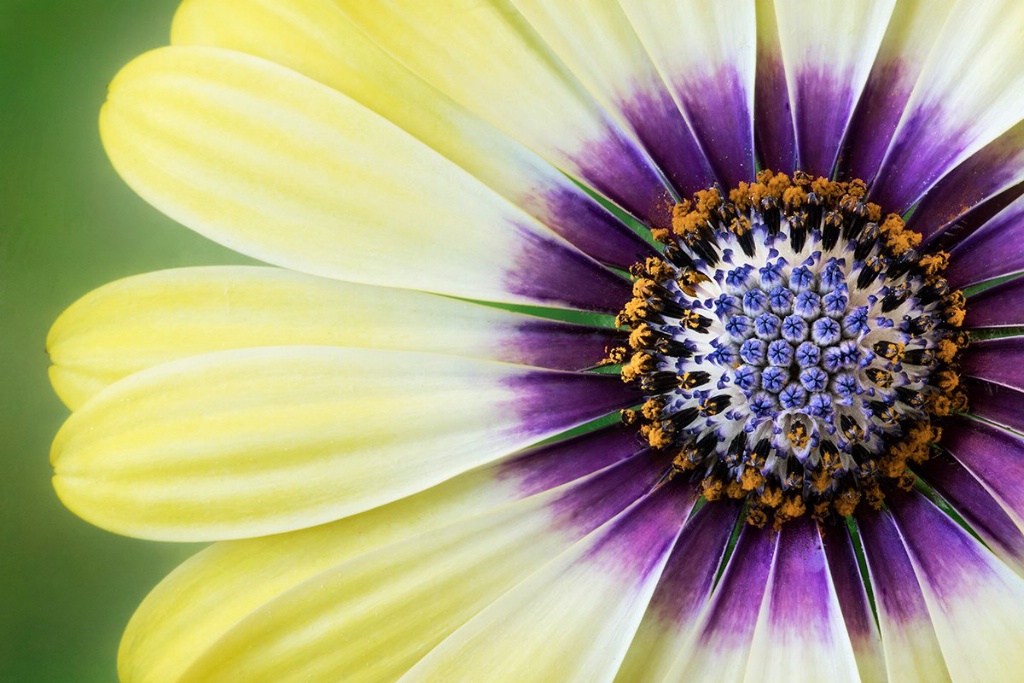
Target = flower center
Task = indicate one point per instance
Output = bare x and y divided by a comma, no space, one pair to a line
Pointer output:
794,349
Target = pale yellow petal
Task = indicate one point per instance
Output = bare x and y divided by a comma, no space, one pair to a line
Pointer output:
800,635
705,53
365,597
973,72
574,619
315,38
828,55
142,321
682,594
597,43
974,599
370,618
191,609
595,40
285,169
914,27
486,56
909,643
969,92
719,643
258,441
483,55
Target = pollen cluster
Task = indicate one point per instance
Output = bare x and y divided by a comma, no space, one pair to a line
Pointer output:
794,348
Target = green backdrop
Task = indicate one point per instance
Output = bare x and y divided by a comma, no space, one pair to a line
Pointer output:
67,225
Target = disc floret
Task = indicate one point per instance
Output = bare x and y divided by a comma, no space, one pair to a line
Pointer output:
794,348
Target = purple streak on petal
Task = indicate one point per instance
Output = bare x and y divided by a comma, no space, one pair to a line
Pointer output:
853,598
874,120
590,502
665,135
822,104
558,345
615,167
950,560
993,455
638,543
999,306
1000,361
549,402
551,272
593,229
994,249
995,403
773,117
546,467
737,599
718,107
976,505
923,150
974,220
991,170
799,591
690,573
893,581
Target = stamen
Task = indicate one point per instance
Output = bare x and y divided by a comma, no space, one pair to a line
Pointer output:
795,349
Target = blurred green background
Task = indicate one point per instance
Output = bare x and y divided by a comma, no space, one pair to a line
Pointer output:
67,225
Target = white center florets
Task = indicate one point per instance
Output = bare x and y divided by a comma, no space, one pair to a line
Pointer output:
791,350
807,344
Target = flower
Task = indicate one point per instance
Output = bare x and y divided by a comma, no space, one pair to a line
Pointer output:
815,477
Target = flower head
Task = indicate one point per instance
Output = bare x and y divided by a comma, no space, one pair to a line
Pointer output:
761,419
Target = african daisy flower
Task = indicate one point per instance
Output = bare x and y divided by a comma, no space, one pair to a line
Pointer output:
785,441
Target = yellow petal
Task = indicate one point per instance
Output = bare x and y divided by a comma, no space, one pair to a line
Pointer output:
973,598
285,169
682,594
718,645
370,618
828,54
485,56
800,634
142,321
912,651
909,37
574,619
365,597
597,43
595,40
258,441
316,39
969,92
705,53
